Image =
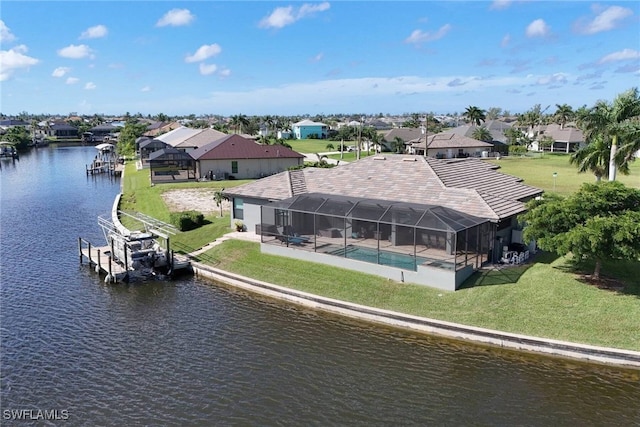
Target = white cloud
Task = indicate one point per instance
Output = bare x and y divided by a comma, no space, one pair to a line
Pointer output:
318,57
60,71
207,69
14,59
606,20
176,18
72,80
75,51
538,28
418,36
204,52
94,32
552,79
225,72
620,56
6,36
283,16
90,86
146,89
500,4
505,40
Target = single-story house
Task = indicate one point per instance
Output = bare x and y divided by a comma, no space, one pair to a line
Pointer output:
178,135
448,145
103,132
566,139
408,136
63,131
309,129
416,219
241,158
199,139
171,165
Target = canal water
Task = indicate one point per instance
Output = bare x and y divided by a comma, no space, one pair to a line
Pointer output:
190,352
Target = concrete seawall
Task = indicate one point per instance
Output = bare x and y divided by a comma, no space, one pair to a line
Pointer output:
610,356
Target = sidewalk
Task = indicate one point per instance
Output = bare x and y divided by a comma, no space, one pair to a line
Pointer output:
240,235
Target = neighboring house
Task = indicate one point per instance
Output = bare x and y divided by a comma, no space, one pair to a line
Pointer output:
565,139
63,131
496,128
148,147
158,128
171,165
450,145
422,220
189,139
407,135
309,129
102,132
241,158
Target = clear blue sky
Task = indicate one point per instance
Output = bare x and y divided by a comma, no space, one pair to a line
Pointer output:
289,58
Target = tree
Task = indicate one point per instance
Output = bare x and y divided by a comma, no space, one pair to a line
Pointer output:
482,134
19,136
599,222
617,123
475,115
239,122
594,158
219,197
563,114
131,131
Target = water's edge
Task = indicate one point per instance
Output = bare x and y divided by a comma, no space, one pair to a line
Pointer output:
603,355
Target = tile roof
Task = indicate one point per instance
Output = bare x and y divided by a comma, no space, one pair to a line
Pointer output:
238,147
200,139
467,185
451,140
178,135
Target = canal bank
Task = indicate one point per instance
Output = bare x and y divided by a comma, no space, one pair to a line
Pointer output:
604,355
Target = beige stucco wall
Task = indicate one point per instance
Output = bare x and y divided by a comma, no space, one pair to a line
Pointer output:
247,168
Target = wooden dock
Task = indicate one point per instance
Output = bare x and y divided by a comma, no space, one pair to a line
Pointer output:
100,258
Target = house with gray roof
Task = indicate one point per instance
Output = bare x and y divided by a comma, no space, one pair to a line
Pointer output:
565,138
417,219
449,145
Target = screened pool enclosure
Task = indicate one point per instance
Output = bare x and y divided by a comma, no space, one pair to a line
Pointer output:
394,234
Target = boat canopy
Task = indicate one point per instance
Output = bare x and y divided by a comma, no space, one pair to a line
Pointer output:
105,147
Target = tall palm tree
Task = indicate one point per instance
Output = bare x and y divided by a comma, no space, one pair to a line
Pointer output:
616,123
563,114
475,115
593,158
239,122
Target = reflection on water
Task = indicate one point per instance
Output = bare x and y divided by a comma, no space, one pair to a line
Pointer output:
190,352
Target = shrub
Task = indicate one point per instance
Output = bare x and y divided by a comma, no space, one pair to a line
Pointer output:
187,220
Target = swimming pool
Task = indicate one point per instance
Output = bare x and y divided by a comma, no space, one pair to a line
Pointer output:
391,259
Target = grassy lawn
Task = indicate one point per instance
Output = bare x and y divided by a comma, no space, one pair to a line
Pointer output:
140,196
538,172
313,145
545,298
541,299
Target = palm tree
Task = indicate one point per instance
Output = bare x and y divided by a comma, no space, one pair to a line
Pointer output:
239,122
219,197
564,113
615,123
475,115
593,158
482,134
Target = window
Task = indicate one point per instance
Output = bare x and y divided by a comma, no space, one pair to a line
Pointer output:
234,166
238,208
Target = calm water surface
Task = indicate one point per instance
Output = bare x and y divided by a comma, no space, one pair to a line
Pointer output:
191,352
